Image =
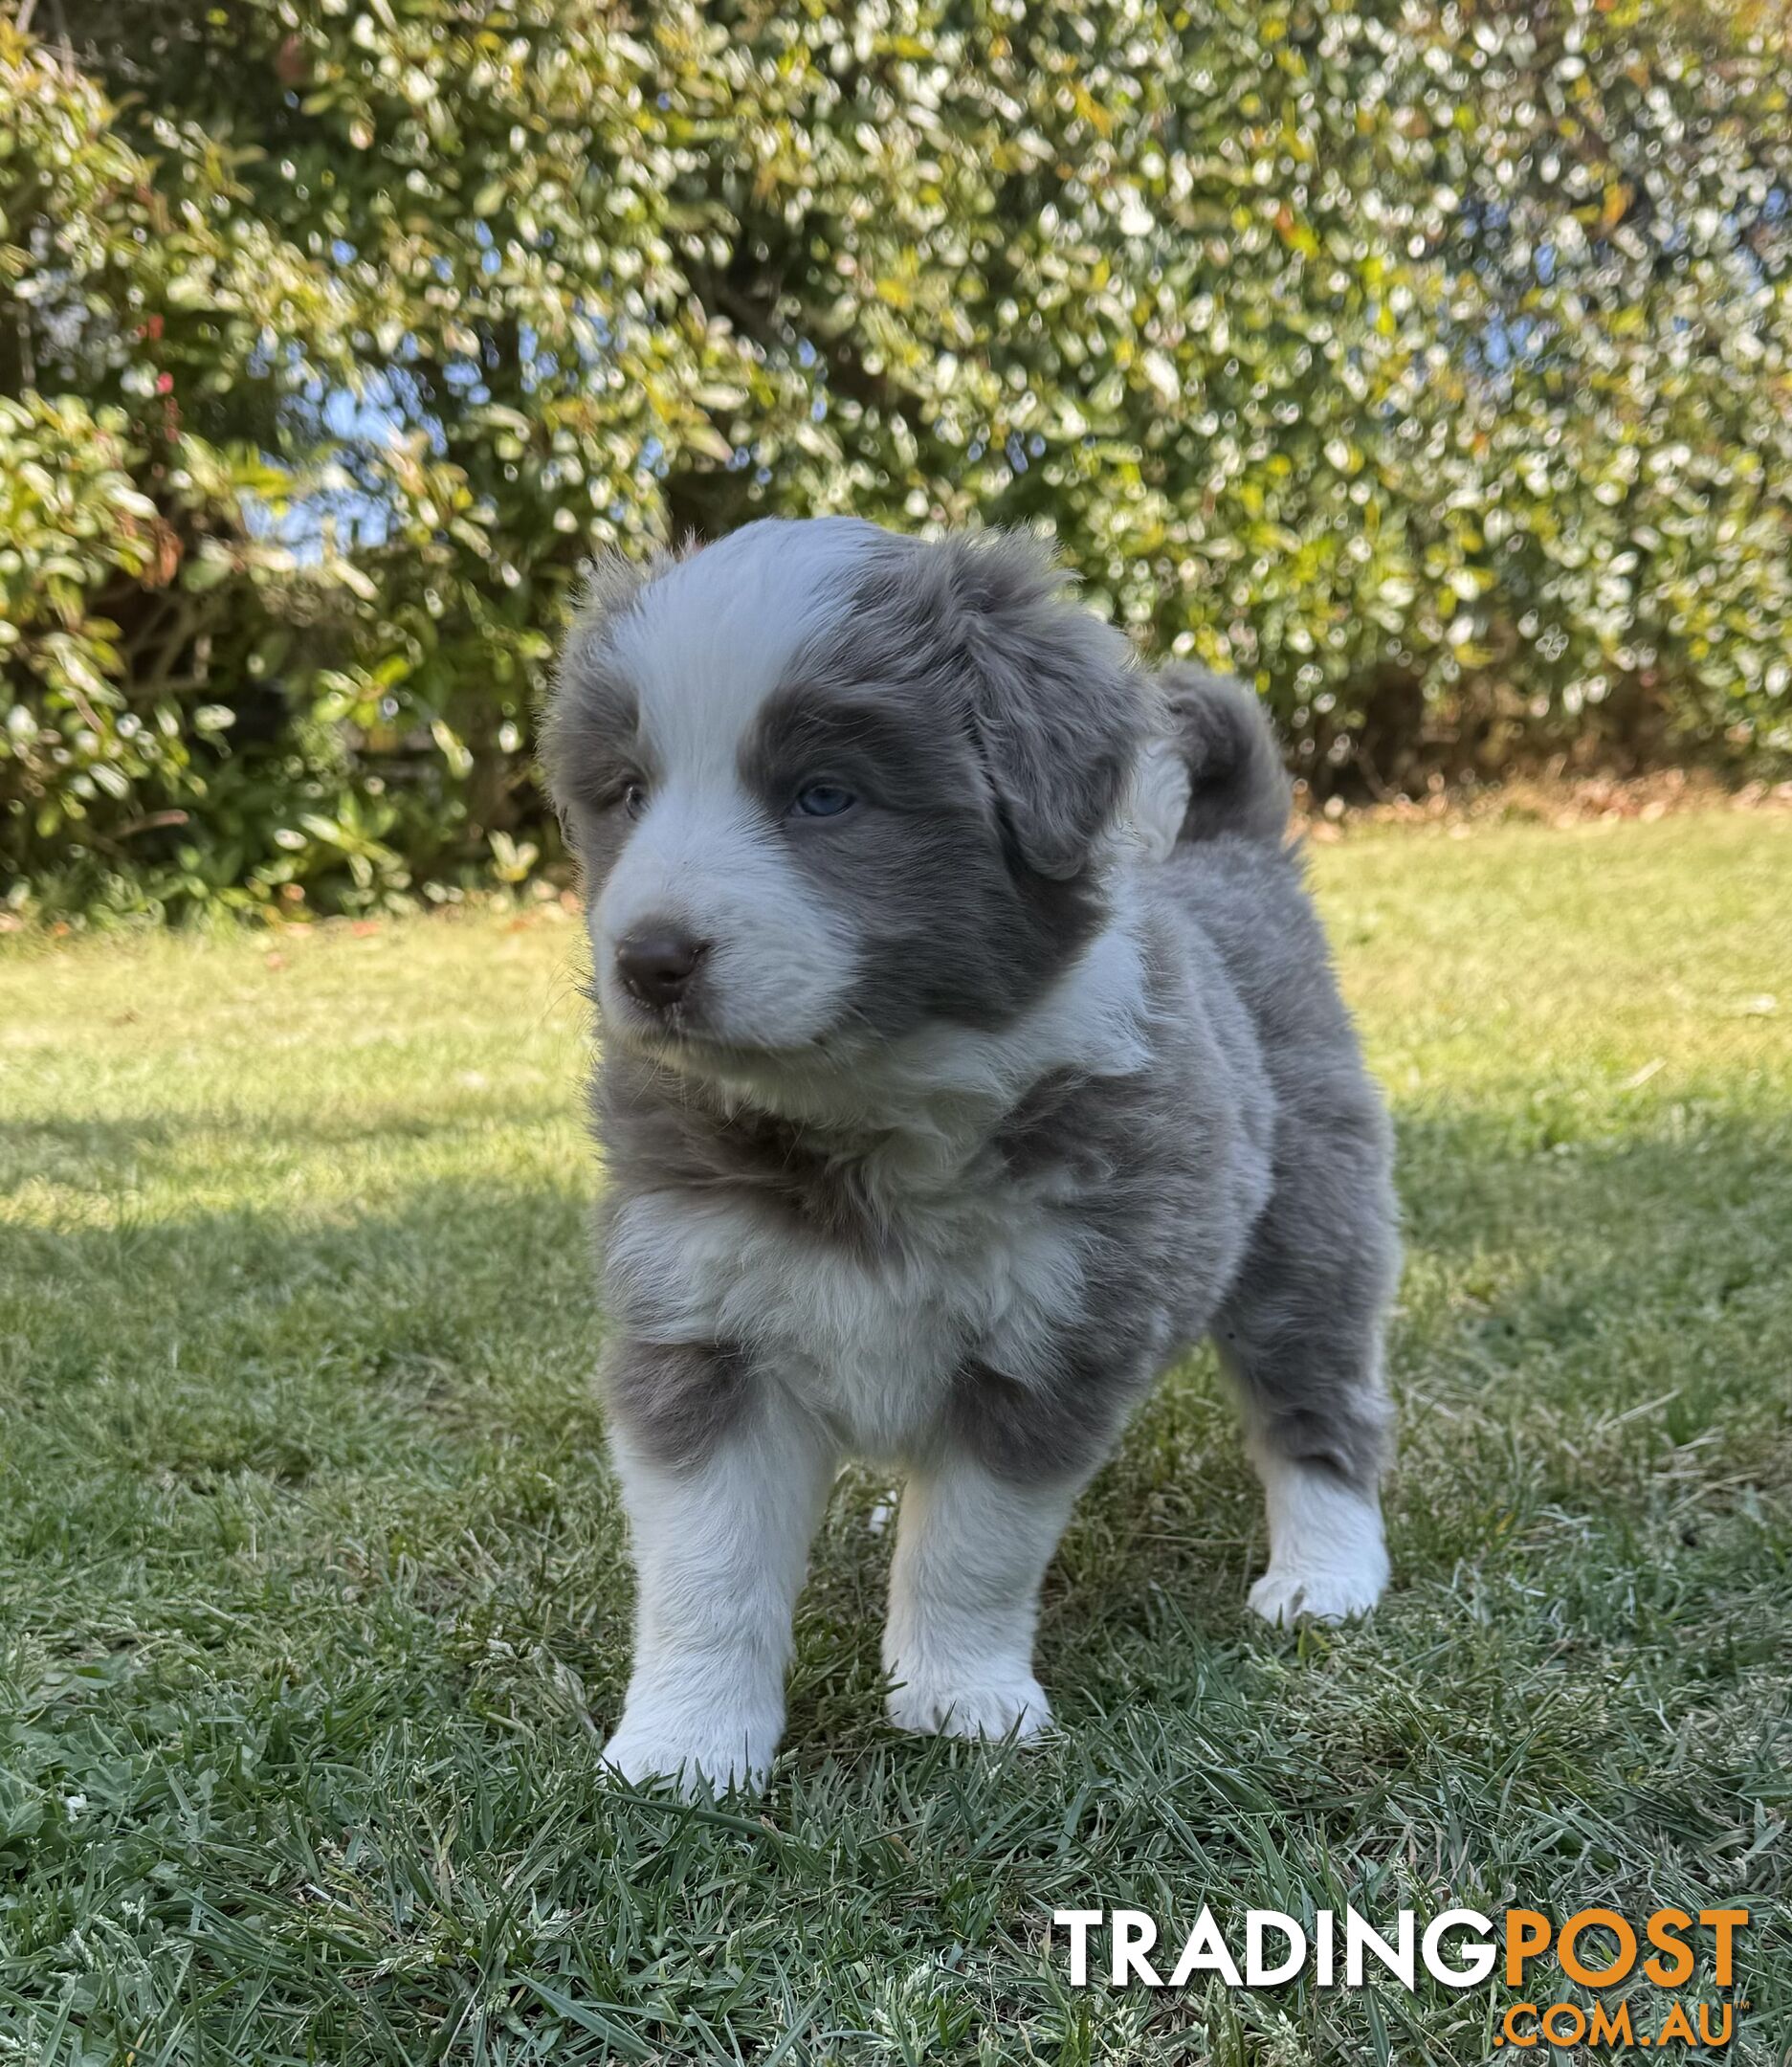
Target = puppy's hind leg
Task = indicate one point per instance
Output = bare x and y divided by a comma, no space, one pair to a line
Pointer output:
1301,1336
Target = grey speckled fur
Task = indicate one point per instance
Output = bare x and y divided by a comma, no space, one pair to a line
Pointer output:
971,1050
1239,1185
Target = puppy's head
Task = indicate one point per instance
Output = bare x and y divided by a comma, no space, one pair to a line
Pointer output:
829,784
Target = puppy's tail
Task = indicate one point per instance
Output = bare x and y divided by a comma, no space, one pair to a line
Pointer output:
1222,733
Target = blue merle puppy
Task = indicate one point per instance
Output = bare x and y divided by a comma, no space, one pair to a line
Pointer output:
970,1049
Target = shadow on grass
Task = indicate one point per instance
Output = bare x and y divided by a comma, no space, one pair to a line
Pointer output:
305,1351
92,1154
1469,1180
363,1800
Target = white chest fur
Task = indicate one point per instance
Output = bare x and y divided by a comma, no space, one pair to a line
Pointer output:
970,1261
868,1336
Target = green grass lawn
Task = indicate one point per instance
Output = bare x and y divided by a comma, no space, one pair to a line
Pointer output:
313,1602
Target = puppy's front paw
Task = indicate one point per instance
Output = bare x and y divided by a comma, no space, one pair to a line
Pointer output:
970,1703
1328,1558
720,1752
1287,1594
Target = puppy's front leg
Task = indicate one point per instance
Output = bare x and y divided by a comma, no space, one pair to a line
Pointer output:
971,1551
721,1538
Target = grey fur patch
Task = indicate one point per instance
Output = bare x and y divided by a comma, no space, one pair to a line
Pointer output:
1047,692
656,1137
588,706
1165,1169
678,1400
990,727
1238,1184
947,922
1018,1429
591,744
1301,1327
1240,1187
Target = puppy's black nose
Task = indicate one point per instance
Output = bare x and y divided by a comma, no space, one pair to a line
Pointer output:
655,966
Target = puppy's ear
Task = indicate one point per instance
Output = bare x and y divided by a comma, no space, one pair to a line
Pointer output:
1055,705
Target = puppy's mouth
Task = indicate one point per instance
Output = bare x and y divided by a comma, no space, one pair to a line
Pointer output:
686,1037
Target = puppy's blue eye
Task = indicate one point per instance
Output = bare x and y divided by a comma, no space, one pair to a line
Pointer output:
824,800
634,799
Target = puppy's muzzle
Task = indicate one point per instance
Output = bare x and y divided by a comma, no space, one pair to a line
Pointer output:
656,966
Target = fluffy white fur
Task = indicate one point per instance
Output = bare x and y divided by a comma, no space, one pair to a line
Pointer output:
709,642
1328,1559
871,1347
971,1551
701,864
720,1556
711,639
